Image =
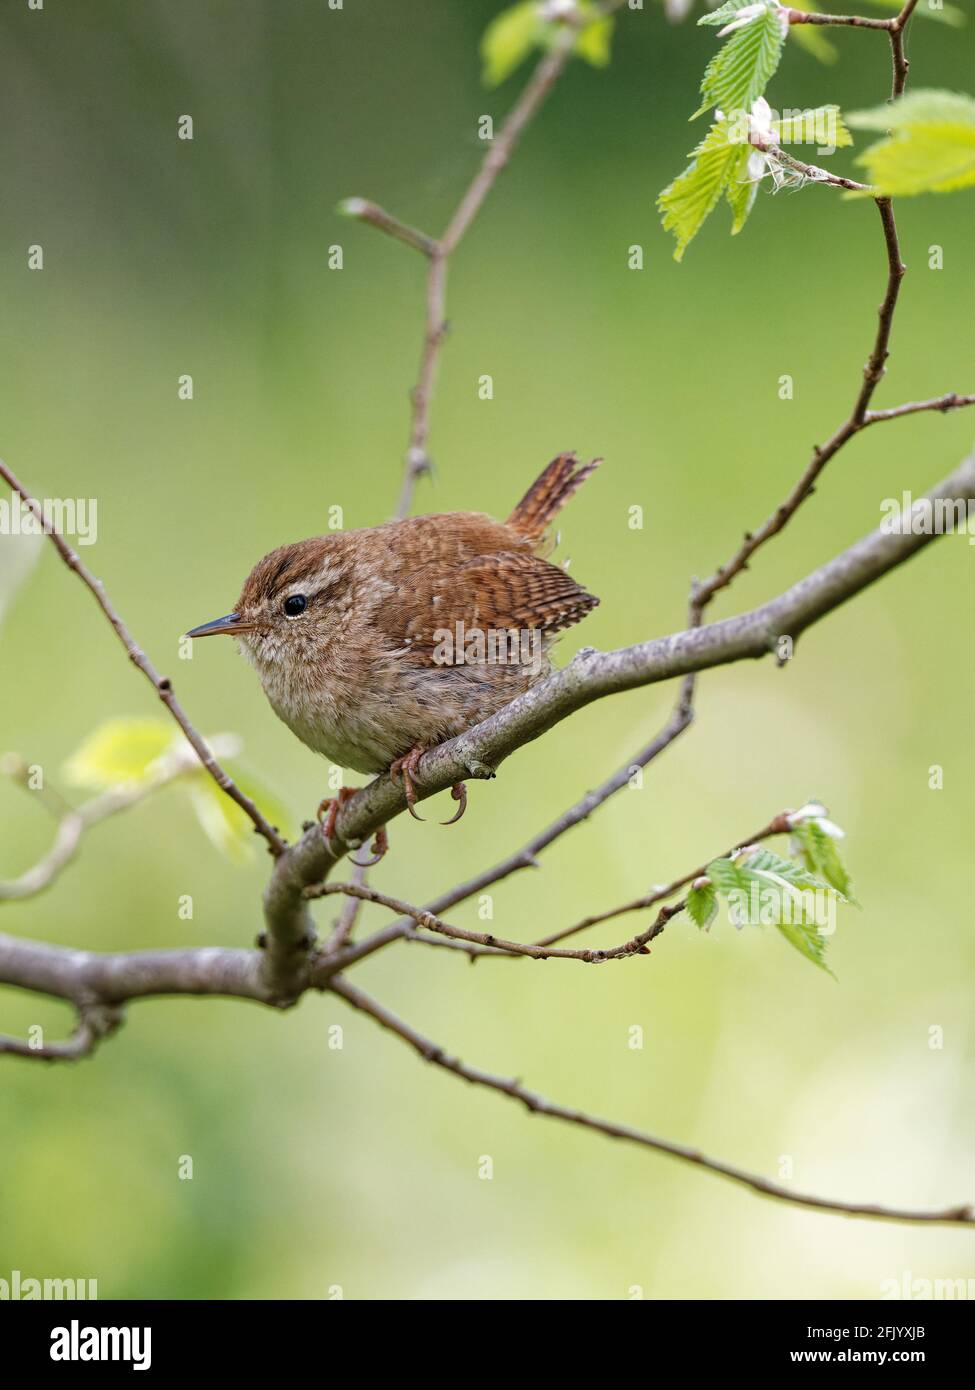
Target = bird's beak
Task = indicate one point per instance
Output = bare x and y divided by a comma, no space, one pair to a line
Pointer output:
233,622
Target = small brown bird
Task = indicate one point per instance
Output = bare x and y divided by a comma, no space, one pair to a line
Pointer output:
375,645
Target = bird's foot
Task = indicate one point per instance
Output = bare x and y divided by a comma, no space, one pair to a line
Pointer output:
405,768
459,793
328,813
377,849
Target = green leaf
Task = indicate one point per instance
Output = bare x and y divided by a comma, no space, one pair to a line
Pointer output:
820,853
226,825
724,14
120,751
508,40
741,192
763,862
740,71
808,941
777,887
818,125
946,14
931,147
702,905
686,203
594,43
511,36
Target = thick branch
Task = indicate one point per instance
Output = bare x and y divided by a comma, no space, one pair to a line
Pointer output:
590,676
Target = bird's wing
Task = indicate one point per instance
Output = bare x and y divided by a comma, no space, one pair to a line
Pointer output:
507,590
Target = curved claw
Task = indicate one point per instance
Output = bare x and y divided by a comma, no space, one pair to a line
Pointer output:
328,813
404,768
459,793
378,848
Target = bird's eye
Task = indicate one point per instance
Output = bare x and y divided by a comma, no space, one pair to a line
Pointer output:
295,604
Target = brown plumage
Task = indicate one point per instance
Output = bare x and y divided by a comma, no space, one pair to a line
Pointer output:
376,643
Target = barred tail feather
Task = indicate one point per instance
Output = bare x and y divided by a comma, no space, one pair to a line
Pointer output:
548,494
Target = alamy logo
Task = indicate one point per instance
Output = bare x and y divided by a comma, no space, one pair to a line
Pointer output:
476,646
927,516
62,516
21,1288
77,1343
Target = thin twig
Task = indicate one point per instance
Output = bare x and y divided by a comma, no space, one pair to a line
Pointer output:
946,403
962,1215
161,684
853,21
95,1022
779,825
527,856
344,925
365,211
439,251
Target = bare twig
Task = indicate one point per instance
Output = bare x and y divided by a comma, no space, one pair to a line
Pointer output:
433,923
779,825
951,401
344,926
439,251
854,21
815,173
94,1023
704,591
365,211
526,857
161,684
962,1215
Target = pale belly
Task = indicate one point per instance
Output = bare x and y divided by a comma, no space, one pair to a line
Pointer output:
366,729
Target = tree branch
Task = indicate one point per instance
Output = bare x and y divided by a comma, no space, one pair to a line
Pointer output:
161,684
590,676
538,1105
439,251
95,1022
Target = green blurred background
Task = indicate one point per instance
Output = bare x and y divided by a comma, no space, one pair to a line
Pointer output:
358,1167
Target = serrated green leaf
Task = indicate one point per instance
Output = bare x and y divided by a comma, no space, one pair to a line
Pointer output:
931,148
701,905
686,203
724,14
120,751
763,861
820,853
808,941
508,40
740,71
226,825
926,106
741,192
944,14
819,125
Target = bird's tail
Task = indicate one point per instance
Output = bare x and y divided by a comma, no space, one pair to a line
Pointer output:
548,494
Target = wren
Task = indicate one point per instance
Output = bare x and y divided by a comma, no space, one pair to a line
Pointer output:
376,644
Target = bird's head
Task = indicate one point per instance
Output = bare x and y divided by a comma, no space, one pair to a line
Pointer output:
293,605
